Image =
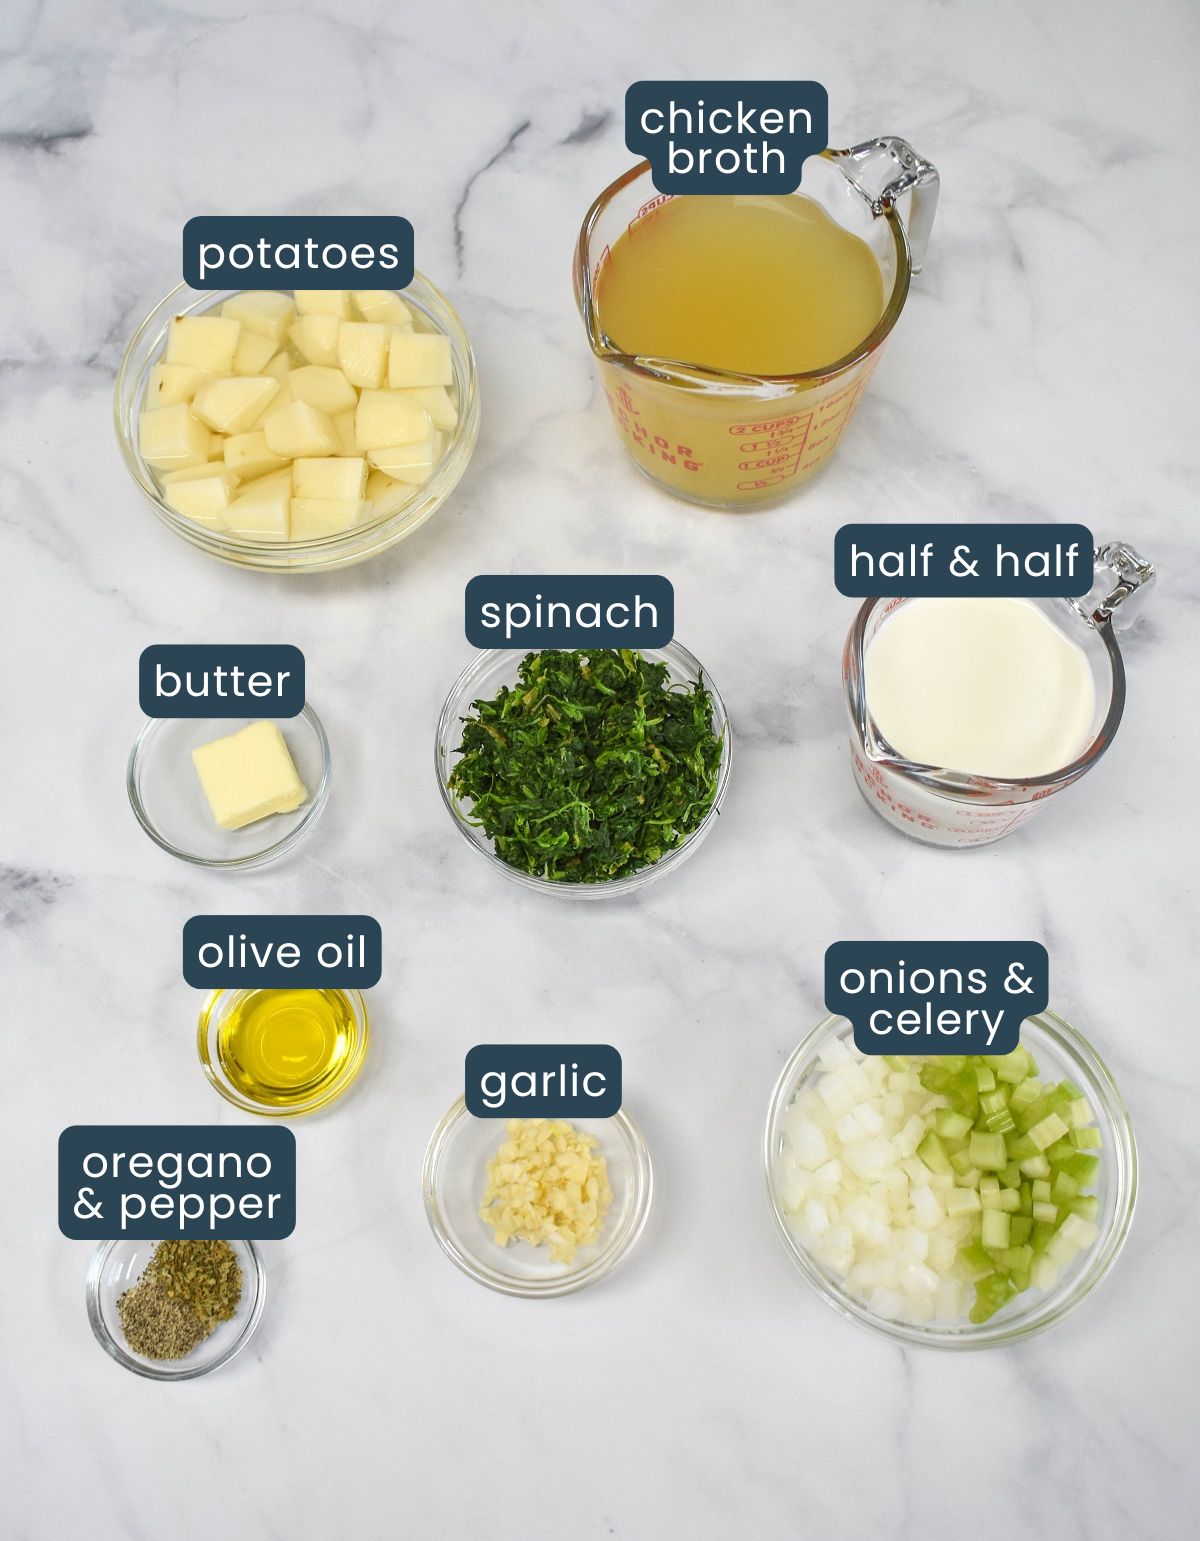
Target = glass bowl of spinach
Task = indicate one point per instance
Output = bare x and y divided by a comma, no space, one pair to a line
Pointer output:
585,773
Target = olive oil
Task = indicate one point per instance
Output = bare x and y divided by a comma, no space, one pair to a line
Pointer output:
756,285
285,1048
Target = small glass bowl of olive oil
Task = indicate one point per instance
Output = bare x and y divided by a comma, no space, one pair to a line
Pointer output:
282,1053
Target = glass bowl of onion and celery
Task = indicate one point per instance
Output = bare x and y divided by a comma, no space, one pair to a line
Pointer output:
952,1201
584,773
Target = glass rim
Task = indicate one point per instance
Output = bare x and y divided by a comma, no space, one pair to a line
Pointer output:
304,556
1077,1052
118,1352
609,1256
614,887
729,382
964,786
327,1094
273,852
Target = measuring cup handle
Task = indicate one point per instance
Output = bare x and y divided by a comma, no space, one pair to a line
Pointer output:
886,170
1122,575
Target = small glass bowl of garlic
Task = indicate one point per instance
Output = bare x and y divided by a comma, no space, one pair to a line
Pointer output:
298,431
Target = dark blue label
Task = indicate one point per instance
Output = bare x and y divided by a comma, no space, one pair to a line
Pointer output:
290,251
941,561
726,136
555,610
936,997
526,1080
221,680
147,1181
271,952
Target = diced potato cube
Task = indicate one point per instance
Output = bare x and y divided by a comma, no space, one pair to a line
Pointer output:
248,455
170,383
202,494
363,352
204,342
252,353
438,403
419,358
386,495
282,398
334,476
344,424
261,510
300,429
324,388
235,404
412,463
383,305
170,437
278,367
324,302
216,446
313,517
315,338
263,311
385,419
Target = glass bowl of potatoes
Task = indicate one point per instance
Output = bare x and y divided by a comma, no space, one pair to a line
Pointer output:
297,430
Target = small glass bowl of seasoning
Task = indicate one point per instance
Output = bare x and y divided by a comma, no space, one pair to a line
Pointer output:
169,802
494,670
282,1053
1062,1056
164,1337
455,1181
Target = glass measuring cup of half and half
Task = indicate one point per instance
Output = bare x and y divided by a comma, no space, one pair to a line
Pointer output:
944,807
739,440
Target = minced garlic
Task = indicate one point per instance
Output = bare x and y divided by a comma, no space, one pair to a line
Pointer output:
548,1185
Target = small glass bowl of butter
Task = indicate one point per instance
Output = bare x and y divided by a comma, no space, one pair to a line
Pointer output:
384,517
175,806
455,1179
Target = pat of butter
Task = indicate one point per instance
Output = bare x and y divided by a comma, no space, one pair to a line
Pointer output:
248,775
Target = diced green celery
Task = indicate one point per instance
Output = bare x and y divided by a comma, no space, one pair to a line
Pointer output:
1041,1235
989,1184
1079,1113
1013,1067
1087,1139
1024,1096
1007,1199
990,1295
1046,1214
1011,1175
960,1160
987,1151
1059,1151
1017,1257
1047,1130
1061,1248
996,1229
1083,1168
1040,1192
1063,1187
1026,1193
993,1102
1020,1230
976,1261
1035,1166
1021,1147
961,1201
895,1061
1079,1232
999,1123
933,1153
1087,1207
951,1125
1020,1278
985,1078
1045,1273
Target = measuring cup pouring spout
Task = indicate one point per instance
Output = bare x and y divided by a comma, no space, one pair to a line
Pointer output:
951,808
730,440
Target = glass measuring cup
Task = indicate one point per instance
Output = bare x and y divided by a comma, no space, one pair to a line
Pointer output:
732,440
949,808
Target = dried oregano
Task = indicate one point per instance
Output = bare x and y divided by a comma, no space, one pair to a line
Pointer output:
186,1288
592,766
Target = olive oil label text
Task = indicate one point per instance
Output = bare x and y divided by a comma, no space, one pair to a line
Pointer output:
936,997
221,680
147,1181
561,611
948,561
268,952
523,1080
286,251
726,136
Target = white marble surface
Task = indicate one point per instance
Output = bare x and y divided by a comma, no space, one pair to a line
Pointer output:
1045,367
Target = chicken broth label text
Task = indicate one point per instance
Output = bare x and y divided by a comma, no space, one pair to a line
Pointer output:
936,997
726,136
